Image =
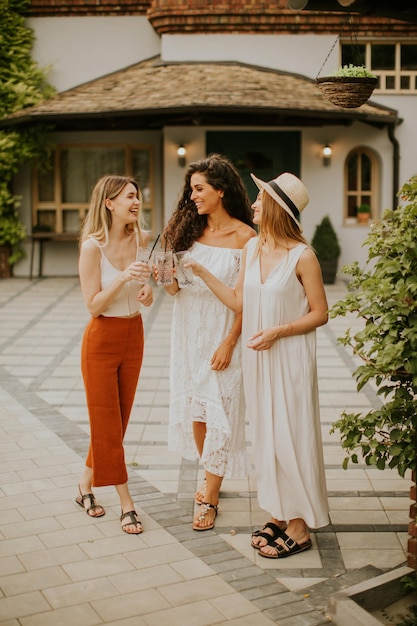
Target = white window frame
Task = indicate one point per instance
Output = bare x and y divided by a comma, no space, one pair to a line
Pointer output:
60,208
358,193
383,75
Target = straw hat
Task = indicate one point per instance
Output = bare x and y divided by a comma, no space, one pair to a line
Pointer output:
288,191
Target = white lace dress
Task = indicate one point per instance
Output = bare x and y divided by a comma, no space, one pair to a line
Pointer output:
198,393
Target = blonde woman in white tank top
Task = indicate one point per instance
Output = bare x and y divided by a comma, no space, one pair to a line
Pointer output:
114,287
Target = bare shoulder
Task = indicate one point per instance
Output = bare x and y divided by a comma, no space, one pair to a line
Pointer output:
244,233
308,254
90,244
89,249
308,261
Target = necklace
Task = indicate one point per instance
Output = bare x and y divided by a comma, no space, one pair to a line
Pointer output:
219,227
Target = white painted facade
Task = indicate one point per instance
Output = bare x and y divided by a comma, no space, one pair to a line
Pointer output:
80,49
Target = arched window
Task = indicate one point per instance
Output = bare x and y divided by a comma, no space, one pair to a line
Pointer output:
361,174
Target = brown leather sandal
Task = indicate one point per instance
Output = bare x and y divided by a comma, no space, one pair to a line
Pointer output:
93,506
133,521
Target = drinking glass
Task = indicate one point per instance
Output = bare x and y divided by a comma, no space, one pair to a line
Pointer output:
184,275
164,265
145,256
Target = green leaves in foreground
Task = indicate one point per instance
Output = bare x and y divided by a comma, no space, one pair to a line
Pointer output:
384,295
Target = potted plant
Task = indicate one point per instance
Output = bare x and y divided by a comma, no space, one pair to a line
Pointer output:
326,245
384,296
363,213
349,87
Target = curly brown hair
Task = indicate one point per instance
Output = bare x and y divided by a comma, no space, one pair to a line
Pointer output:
186,225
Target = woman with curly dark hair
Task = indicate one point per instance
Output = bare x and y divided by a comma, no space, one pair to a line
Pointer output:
213,222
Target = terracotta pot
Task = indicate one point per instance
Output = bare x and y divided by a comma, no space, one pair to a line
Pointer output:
363,218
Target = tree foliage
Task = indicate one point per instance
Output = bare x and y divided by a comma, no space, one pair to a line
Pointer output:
384,295
22,84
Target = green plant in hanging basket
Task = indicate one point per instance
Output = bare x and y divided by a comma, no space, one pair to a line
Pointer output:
358,71
348,87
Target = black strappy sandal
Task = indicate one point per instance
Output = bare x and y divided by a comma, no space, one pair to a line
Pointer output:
276,532
133,521
290,547
93,506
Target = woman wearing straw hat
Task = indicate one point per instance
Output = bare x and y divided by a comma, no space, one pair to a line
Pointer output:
280,291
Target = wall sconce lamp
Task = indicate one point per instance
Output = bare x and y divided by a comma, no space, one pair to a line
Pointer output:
181,153
326,154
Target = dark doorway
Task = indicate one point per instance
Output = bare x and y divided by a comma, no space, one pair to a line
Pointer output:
265,154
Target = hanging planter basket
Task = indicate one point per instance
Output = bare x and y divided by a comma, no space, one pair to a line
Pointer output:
347,92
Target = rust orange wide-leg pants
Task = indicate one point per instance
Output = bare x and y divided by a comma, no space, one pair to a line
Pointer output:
111,358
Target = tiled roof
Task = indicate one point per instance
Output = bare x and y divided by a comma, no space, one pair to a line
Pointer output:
157,93
57,8
267,16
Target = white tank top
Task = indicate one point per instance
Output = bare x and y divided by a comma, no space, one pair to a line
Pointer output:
124,303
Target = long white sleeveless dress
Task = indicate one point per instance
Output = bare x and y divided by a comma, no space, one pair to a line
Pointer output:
197,393
281,394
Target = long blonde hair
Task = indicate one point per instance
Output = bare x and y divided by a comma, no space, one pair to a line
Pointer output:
99,219
276,224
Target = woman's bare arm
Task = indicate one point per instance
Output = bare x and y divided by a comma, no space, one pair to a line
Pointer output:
231,297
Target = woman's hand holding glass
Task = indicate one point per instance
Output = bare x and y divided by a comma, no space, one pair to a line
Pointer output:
137,271
144,257
143,270
196,268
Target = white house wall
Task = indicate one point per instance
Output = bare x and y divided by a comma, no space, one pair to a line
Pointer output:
79,49
406,131
299,54
193,138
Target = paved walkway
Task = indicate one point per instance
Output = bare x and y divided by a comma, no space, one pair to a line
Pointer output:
58,567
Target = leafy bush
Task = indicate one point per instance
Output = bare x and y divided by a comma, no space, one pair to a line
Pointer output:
325,241
384,296
22,84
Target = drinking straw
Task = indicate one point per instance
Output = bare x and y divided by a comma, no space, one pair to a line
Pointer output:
153,247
